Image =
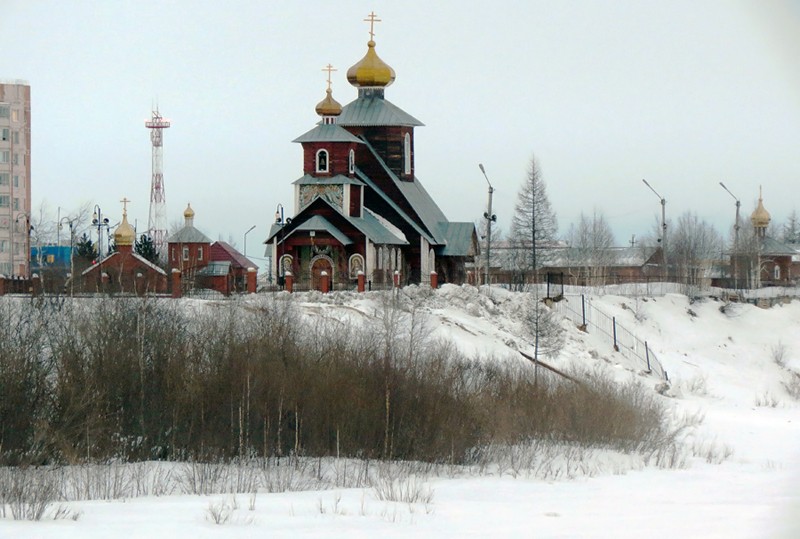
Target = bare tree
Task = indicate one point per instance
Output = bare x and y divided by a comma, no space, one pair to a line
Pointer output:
533,226
694,245
791,229
591,243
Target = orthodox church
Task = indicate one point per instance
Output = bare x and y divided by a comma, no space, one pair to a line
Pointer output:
359,206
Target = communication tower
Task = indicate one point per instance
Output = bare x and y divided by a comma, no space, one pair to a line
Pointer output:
157,224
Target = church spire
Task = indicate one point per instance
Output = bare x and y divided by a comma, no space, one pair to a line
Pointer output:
371,73
329,108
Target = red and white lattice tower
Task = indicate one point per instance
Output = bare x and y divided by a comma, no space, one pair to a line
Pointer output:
157,224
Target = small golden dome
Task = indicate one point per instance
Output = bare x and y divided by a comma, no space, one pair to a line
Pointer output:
371,71
125,234
189,212
329,106
760,217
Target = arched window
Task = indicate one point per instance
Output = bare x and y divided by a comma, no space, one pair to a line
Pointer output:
322,160
351,162
407,154
777,272
356,265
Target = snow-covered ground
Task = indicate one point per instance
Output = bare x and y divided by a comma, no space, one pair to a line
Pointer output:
740,478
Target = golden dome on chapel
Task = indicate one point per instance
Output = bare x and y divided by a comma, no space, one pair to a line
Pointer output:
188,213
371,71
329,106
760,216
125,233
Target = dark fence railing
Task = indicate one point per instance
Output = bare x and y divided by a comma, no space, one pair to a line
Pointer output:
588,317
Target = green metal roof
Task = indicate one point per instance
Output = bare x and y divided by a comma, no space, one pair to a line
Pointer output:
339,179
317,223
459,238
328,133
375,111
215,269
188,234
773,247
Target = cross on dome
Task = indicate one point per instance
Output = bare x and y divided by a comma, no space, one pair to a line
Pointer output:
125,204
372,19
329,68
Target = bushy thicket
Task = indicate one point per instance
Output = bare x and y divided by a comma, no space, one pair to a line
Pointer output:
142,379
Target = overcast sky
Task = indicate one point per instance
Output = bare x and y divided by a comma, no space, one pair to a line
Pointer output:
683,93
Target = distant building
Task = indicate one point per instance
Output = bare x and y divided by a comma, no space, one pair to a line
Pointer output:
124,271
203,264
359,206
15,178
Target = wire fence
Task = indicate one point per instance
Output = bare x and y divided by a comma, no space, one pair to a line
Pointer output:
589,318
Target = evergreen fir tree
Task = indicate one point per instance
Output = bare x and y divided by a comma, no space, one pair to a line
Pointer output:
85,249
146,248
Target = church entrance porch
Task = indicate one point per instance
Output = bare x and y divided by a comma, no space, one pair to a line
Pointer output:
318,265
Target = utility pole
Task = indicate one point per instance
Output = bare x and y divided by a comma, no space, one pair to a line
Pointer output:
490,218
735,237
663,228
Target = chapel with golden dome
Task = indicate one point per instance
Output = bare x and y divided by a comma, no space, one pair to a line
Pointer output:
359,206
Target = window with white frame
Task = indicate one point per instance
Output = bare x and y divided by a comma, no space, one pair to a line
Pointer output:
407,154
351,162
16,158
3,246
16,203
5,156
200,252
16,181
5,111
777,272
185,253
3,179
322,160
4,134
5,201
16,137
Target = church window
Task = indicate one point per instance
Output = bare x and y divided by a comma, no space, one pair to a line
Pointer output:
407,154
351,162
185,253
200,252
777,272
322,161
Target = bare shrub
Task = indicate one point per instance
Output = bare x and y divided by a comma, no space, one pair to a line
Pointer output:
779,353
27,492
792,385
766,400
219,512
392,485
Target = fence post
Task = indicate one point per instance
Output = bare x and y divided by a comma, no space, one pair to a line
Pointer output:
434,280
614,326
647,355
289,281
324,282
361,280
176,283
252,282
583,312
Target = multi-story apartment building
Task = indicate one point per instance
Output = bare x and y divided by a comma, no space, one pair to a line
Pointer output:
15,177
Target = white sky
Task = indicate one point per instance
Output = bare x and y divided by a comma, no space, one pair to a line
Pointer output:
683,93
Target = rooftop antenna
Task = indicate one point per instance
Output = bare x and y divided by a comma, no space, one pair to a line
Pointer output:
157,224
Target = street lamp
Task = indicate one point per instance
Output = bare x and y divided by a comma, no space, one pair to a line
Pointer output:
71,222
490,218
249,230
28,229
279,220
735,236
100,222
663,226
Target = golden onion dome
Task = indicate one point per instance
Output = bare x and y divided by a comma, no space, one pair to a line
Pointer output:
188,212
329,106
371,71
125,234
760,216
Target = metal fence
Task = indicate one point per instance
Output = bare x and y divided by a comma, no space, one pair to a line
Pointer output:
588,317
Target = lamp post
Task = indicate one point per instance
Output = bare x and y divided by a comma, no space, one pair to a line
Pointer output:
249,230
279,220
71,240
663,226
490,218
28,229
100,222
735,237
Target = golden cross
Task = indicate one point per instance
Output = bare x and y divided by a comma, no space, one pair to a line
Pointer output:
125,204
372,19
329,68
